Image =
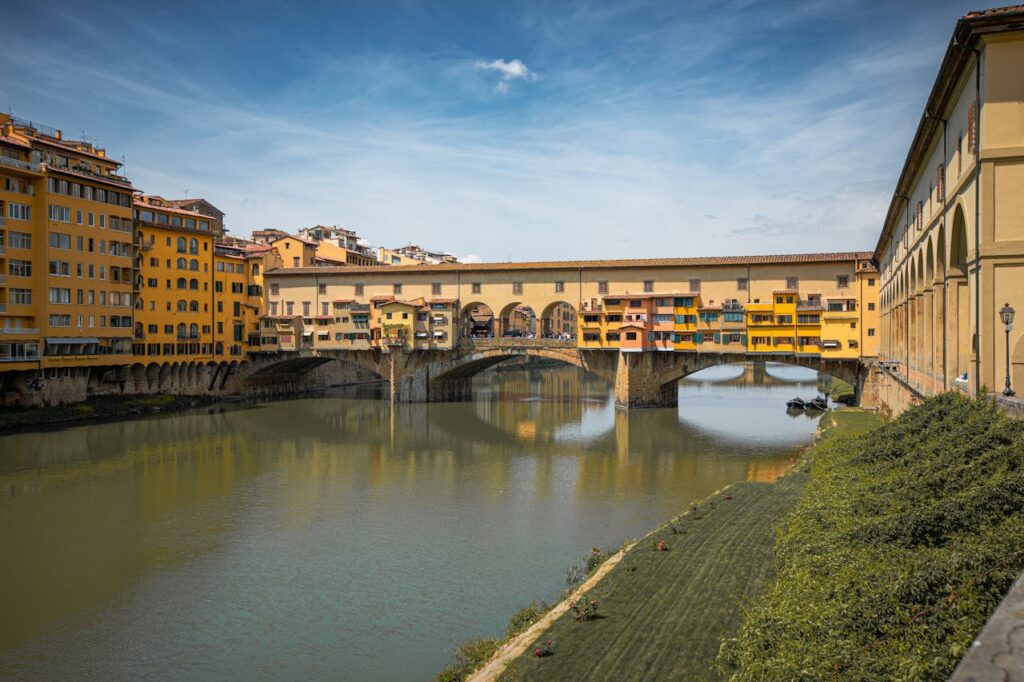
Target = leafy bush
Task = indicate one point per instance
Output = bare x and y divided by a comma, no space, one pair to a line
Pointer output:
902,543
469,656
525,617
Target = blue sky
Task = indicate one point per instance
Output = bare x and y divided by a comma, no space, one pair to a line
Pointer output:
500,130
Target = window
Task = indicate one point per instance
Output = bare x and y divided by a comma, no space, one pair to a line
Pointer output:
631,336
60,214
305,308
325,309
182,284
182,306
396,288
871,281
59,295
19,268
20,296
648,287
193,264
192,283
20,240
559,287
435,289
358,289
842,281
871,306
517,287
19,211
60,320
296,262
60,268
871,331
695,284
182,245
193,245
59,240
792,282
742,284
475,287
602,286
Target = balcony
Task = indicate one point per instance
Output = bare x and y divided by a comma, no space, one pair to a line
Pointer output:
18,164
16,330
808,305
3,279
146,244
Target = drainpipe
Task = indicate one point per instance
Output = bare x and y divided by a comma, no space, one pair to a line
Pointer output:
977,214
977,224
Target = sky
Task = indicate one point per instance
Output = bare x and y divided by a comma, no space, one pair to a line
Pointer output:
501,130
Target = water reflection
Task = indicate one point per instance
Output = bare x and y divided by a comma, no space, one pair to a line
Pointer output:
338,536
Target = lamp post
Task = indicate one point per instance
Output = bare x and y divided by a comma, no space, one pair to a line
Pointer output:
1006,315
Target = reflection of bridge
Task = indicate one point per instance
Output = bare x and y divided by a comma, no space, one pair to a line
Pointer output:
644,379
753,373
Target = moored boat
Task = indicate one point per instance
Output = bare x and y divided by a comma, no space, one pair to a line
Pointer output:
796,404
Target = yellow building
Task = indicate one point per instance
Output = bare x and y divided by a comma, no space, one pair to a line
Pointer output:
66,255
175,314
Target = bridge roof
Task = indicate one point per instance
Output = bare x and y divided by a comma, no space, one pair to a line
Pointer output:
639,263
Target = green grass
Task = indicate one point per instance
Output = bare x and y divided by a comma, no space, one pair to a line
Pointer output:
664,614
903,541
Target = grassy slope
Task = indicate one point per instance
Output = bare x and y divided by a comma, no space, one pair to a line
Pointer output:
902,543
666,613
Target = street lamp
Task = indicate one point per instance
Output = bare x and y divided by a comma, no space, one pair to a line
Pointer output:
1006,315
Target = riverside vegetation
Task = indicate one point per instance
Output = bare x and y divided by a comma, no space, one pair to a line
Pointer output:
879,557
900,547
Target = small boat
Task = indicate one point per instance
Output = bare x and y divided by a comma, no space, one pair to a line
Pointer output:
818,403
796,404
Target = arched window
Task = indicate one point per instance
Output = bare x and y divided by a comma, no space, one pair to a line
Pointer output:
193,245
181,245
182,264
193,330
255,268
193,284
182,330
193,264
194,306
182,306
182,284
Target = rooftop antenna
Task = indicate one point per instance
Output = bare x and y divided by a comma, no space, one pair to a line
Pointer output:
186,192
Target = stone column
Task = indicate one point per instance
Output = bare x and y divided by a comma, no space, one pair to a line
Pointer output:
637,383
927,342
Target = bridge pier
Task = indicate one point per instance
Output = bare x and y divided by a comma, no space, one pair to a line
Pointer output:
638,383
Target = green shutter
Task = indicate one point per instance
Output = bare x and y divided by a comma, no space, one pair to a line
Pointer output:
743,339
718,338
698,338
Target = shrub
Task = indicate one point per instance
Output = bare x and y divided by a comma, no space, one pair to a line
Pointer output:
584,609
469,656
525,617
902,543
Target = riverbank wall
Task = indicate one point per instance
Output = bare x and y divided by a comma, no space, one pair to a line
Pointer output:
213,380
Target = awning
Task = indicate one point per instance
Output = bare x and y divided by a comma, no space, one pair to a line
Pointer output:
70,339
307,333
438,335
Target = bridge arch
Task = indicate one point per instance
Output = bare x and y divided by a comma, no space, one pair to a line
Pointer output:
476,320
558,319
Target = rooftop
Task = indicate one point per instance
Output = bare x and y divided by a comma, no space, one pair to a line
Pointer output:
709,261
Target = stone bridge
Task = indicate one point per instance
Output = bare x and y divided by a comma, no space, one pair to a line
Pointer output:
643,379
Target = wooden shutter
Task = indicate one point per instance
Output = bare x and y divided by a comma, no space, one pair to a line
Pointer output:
940,182
972,128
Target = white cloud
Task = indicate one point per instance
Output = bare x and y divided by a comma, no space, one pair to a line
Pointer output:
471,258
508,71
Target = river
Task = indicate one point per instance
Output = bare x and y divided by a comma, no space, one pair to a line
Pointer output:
340,537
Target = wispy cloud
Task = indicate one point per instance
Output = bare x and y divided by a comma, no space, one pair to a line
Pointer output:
508,71
688,133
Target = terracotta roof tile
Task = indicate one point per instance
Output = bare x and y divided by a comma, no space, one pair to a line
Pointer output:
708,261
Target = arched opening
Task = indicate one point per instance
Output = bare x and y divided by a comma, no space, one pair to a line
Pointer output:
958,337
193,306
517,321
558,321
476,321
929,335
